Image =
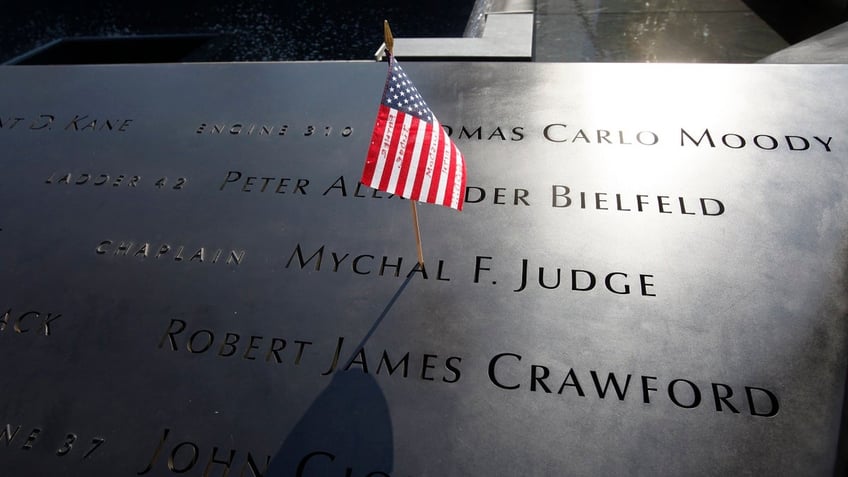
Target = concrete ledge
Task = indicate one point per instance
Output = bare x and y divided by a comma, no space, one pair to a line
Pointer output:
508,35
513,6
830,46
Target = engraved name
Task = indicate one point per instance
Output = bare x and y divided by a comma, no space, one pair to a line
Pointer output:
182,456
573,279
563,196
231,344
276,185
506,371
322,258
560,196
179,337
530,276
764,142
185,455
616,282
563,133
320,460
488,133
79,122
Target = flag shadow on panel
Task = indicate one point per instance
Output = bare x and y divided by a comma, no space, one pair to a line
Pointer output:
347,426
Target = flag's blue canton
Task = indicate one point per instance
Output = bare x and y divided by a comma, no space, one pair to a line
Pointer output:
401,94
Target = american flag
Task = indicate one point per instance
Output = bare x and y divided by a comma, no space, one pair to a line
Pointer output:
411,155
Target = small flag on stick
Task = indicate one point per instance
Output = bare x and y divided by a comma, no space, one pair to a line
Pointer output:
410,154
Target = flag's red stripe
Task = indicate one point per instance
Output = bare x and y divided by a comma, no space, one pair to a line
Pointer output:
444,170
462,183
456,179
376,142
379,162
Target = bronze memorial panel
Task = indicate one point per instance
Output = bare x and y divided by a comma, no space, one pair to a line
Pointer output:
648,278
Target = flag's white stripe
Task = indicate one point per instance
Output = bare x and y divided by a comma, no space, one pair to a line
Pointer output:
384,149
426,184
398,160
443,176
457,180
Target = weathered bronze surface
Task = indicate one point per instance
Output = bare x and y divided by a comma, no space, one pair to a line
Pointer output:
648,278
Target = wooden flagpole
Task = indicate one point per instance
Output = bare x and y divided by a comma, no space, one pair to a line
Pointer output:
387,35
417,232
390,41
